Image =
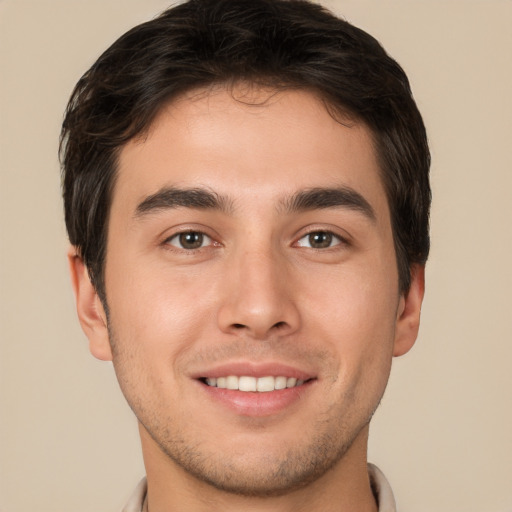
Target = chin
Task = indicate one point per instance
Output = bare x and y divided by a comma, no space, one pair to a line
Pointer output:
263,471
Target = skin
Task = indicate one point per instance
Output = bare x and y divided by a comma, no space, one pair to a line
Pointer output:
255,292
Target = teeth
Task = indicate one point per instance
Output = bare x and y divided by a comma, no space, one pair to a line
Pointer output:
280,383
290,382
265,384
232,382
261,384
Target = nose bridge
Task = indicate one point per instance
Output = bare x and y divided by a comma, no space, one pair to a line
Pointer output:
258,296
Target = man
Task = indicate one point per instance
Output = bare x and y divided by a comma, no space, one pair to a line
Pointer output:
246,195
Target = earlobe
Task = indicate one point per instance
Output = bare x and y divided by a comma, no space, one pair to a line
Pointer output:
91,313
409,311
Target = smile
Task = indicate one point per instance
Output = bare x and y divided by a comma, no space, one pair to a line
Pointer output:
254,384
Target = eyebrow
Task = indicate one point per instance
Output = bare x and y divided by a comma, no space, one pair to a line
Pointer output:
304,200
173,197
323,198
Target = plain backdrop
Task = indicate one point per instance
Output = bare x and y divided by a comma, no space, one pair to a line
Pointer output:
443,434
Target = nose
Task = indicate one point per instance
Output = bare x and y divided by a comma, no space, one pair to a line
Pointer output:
258,298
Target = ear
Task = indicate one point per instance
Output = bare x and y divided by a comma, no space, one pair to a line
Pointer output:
91,313
408,314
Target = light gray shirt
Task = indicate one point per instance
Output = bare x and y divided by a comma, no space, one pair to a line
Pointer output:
380,487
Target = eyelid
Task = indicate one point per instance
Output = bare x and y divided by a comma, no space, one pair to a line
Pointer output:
174,233
207,240
341,239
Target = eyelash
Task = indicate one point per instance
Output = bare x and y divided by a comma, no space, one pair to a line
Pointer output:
331,237
178,239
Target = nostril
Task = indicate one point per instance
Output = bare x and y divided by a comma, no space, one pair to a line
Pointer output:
238,326
279,325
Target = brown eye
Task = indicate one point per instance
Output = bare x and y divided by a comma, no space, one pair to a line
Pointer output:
319,240
190,240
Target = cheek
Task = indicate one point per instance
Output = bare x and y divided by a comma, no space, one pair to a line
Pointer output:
152,327
357,315
155,312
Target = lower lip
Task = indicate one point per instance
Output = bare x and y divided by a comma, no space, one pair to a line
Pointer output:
257,404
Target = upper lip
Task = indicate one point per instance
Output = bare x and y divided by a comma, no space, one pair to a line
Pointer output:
251,369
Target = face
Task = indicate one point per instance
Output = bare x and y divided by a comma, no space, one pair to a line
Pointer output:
252,287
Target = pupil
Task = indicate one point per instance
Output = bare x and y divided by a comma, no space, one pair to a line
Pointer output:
320,240
191,240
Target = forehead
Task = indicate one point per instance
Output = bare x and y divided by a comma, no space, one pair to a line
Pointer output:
249,144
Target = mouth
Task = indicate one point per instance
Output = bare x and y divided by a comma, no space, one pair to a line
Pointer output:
256,389
249,384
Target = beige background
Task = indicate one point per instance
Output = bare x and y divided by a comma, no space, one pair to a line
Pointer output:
443,434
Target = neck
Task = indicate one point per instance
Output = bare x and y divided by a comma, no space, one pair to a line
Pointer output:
343,488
